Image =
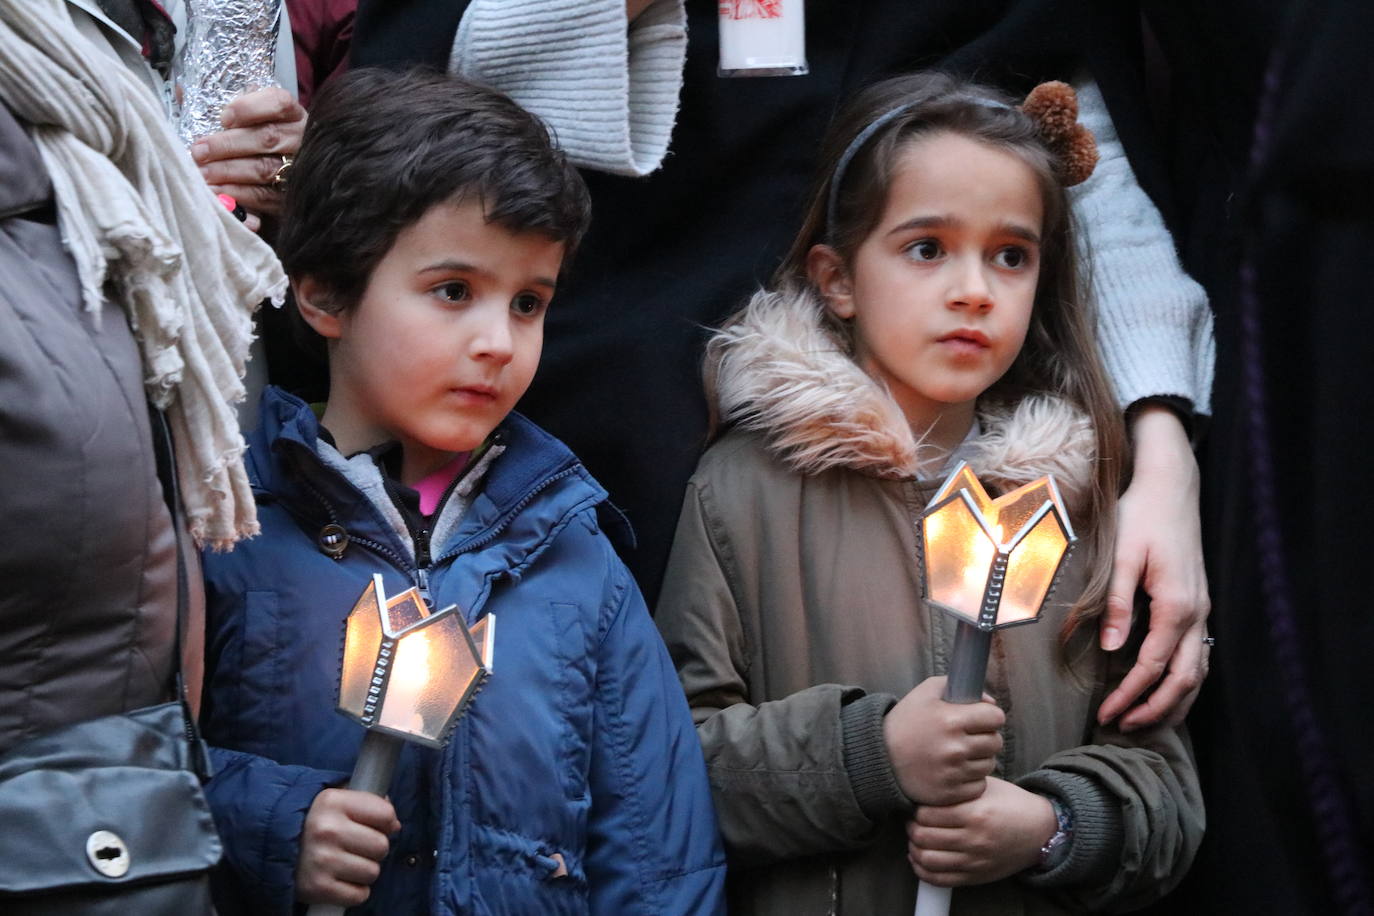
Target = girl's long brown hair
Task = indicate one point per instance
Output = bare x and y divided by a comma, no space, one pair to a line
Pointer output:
1060,355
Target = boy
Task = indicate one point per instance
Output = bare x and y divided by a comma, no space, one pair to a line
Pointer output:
425,227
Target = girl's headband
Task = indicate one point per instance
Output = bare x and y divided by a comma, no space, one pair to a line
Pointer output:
1051,106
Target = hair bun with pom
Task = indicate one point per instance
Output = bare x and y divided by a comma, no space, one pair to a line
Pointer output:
1053,106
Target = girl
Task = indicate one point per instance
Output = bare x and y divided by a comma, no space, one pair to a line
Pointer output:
928,312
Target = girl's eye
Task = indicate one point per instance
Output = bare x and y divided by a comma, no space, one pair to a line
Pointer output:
527,304
1012,258
925,250
455,291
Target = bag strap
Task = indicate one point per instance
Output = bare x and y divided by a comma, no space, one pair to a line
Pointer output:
171,493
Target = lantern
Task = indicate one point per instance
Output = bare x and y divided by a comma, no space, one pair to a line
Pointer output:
408,675
991,563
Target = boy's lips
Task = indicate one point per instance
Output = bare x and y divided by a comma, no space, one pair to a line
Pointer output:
481,392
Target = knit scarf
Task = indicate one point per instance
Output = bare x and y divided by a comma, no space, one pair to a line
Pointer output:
130,205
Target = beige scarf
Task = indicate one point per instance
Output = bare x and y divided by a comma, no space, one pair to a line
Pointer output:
130,205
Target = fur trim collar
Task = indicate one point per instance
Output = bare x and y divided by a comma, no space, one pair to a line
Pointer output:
781,373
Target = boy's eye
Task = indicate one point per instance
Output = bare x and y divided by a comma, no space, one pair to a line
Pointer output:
1012,257
454,291
924,250
527,304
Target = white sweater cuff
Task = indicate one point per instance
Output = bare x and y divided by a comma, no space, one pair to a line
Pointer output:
609,94
1154,323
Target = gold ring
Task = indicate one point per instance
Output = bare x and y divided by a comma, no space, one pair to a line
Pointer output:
278,182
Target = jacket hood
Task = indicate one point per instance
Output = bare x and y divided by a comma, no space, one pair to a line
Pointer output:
532,461
782,374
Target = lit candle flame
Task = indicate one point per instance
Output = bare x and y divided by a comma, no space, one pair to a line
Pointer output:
409,678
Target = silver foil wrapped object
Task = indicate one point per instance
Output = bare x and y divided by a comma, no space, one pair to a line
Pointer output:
230,49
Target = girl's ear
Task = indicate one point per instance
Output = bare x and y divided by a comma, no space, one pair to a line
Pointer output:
310,295
830,276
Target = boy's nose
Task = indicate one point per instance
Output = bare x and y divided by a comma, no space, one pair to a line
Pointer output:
970,288
493,339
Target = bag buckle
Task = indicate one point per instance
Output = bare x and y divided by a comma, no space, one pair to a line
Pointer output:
108,853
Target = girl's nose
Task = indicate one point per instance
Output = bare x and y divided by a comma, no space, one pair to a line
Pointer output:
971,289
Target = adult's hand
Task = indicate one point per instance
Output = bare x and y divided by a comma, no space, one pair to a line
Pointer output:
243,160
1159,548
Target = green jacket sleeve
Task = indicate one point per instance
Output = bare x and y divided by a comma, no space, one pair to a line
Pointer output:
1138,815
799,776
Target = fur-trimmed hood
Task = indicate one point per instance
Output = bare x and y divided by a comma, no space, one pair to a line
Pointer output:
781,373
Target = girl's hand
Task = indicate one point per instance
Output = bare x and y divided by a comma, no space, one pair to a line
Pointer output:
260,129
344,839
1159,547
942,752
997,834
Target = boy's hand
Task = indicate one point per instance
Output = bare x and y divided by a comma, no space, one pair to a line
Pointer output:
344,839
942,752
997,834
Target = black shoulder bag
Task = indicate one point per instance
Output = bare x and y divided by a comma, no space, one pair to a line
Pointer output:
107,817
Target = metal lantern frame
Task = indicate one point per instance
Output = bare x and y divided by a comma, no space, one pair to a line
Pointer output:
375,634
962,489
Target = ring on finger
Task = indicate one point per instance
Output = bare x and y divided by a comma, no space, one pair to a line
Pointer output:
278,181
1209,641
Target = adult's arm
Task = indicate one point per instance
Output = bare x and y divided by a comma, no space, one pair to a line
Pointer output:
1155,331
605,75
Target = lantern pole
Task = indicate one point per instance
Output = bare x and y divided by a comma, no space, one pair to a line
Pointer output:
968,664
376,762
964,682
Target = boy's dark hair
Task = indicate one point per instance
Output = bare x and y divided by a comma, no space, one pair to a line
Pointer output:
382,148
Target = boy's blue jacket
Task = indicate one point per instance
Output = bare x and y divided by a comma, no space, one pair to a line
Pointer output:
580,749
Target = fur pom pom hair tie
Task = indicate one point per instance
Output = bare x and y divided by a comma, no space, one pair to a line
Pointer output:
1053,106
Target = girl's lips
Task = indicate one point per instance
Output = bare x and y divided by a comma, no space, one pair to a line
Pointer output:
966,336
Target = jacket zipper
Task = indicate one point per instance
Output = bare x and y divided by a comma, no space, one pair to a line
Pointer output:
422,564
496,530
419,571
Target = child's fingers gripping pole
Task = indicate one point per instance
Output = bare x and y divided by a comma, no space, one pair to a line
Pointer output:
968,668
372,773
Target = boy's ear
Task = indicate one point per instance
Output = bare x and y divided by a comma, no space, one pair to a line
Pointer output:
830,276
310,295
